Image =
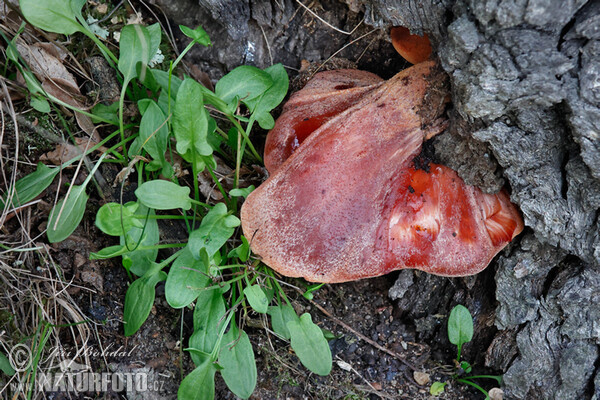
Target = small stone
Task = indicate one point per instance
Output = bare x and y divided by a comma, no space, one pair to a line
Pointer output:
344,365
496,394
102,8
422,378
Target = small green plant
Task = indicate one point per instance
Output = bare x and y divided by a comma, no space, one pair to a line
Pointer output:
213,271
460,331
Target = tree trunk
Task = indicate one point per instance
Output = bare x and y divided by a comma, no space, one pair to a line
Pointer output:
525,81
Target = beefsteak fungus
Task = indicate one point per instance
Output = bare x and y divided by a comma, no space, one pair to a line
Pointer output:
345,201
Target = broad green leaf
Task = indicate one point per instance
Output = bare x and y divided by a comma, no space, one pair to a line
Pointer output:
190,122
437,388
138,261
109,113
58,16
199,384
115,219
139,300
40,104
237,360
155,33
164,195
149,82
244,83
257,298
198,35
135,47
187,277
5,365
280,316
242,251
154,132
460,326
216,228
67,214
162,79
208,315
30,186
143,105
243,192
62,224
262,106
310,345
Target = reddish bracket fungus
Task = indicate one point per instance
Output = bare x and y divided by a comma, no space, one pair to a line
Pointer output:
345,201
414,48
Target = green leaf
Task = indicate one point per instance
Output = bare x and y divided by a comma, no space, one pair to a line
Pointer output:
262,106
164,195
198,35
108,252
155,33
162,79
309,294
190,122
280,316
237,360
466,367
186,280
57,16
30,186
148,81
243,192
460,326
109,113
437,388
329,335
6,367
242,251
33,85
216,228
138,261
40,104
62,224
135,47
310,345
208,313
244,83
139,300
154,132
257,298
115,219
199,384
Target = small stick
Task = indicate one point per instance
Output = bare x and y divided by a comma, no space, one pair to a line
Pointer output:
363,337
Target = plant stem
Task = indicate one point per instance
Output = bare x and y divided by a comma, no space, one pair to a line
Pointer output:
188,47
476,386
201,203
121,105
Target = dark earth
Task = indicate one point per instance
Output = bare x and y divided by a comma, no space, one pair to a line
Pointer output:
525,86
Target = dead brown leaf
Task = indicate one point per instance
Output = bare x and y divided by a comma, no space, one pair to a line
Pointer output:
66,151
46,62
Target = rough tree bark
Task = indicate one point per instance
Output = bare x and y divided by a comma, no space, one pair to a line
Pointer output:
525,78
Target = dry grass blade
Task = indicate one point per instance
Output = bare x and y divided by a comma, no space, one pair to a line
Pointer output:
314,14
10,190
